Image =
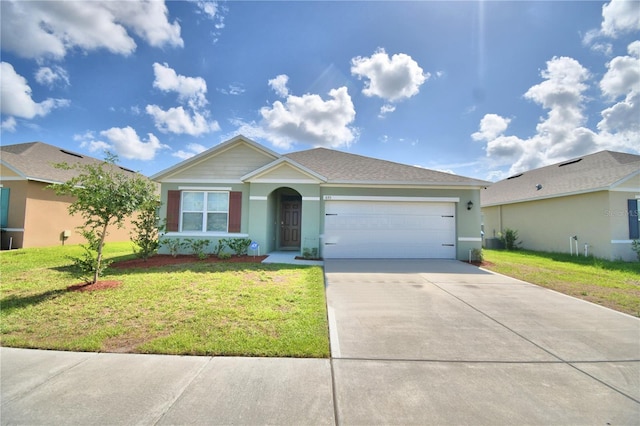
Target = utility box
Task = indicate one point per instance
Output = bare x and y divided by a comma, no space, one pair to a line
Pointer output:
493,243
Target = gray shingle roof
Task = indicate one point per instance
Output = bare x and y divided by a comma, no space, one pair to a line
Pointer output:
594,172
342,167
35,160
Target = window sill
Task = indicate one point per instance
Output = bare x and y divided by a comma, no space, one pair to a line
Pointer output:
205,234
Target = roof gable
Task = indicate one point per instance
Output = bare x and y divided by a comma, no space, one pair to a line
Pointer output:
604,170
284,170
228,161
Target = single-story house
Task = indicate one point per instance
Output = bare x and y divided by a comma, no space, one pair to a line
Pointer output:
588,202
322,201
32,215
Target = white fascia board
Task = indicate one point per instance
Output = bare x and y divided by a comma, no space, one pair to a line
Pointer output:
203,181
254,176
407,185
633,187
548,197
393,199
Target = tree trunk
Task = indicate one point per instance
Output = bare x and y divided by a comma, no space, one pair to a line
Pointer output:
96,273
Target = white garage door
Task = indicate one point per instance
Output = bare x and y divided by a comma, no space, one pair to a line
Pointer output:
389,229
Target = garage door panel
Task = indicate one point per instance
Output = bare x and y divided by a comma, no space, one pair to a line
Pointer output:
363,229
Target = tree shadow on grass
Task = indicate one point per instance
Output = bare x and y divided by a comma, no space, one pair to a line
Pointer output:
12,303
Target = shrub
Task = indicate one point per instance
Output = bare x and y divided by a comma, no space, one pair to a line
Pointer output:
310,253
147,228
198,247
239,246
635,246
477,255
173,244
510,239
87,266
224,256
218,249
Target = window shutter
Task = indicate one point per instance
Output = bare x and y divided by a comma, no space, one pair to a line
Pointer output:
634,232
173,211
235,211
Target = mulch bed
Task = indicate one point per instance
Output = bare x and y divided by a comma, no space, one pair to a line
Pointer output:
167,259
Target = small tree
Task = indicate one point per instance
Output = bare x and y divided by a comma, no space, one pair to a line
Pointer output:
104,195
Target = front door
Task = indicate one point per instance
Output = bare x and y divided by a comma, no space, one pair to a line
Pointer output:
290,215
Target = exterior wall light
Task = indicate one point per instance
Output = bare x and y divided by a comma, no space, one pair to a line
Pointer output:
469,205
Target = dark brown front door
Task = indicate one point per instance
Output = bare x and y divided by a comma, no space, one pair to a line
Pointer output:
290,222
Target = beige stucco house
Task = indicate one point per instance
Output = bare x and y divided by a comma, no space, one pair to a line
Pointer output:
333,203
594,198
32,215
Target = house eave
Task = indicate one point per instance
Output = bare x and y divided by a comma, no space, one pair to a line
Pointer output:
403,184
547,197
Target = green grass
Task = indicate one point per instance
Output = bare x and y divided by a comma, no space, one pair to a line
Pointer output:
244,309
612,284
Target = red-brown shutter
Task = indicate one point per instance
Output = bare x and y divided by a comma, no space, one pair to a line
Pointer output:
173,211
235,211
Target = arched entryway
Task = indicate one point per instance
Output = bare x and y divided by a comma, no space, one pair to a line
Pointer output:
288,211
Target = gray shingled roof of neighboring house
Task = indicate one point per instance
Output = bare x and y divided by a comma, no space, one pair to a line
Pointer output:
342,167
590,173
35,160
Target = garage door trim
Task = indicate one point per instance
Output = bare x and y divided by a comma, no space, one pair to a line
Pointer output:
382,198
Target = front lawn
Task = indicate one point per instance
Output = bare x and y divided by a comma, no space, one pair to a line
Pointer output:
199,308
612,284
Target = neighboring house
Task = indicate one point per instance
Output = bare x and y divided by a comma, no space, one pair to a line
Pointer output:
32,215
331,203
594,198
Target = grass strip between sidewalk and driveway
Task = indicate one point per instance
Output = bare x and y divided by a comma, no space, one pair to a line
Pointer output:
614,284
197,308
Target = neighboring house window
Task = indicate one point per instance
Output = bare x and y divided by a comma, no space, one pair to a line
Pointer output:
204,211
634,219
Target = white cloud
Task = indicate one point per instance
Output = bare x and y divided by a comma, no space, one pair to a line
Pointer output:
620,126
623,74
392,79
234,89
386,109
191,150
124,142
50,76
16,96
194,120
189,89
53,28
9,125
562,135
279,85
179,121
311,120
620,16
491,126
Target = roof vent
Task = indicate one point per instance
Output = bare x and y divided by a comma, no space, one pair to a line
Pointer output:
538,187
515,176
71,153
570,162
126,170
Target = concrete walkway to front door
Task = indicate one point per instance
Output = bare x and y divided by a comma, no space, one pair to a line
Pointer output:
443,342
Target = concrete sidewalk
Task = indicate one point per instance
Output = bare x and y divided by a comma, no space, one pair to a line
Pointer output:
71,388
413,342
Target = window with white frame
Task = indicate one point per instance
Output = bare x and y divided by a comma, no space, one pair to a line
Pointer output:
205,211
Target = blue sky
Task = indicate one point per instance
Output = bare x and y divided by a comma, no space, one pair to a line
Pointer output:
481,89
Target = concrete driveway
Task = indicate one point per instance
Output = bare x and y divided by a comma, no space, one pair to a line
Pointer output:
443,342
